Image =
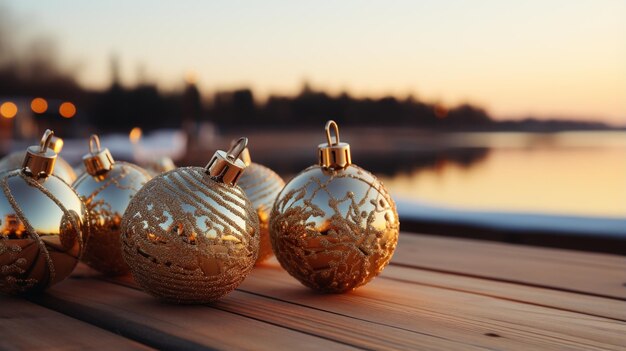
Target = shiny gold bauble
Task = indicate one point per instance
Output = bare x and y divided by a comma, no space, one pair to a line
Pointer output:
262,185
189,238
334,227
62,169
41,226
106,197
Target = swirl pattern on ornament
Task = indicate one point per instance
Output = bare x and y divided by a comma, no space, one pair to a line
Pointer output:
41,228
334,230
188,238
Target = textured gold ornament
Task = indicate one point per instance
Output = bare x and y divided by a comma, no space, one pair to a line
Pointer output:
106,188
191,235
334,226
261,185
41,225
62,169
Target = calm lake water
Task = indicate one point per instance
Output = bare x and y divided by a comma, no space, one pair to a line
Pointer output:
573,173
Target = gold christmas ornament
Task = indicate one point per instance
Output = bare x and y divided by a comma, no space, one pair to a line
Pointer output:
261,185
41,224
334,226
62,169
191,235
106,188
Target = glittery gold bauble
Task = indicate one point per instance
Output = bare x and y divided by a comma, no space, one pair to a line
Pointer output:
41,225
261,185
190,235
106,190
334,227
62,169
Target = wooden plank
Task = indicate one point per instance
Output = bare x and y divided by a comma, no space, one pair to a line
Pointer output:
325,325
175,326
572,271
365,334
567,301
439,318
452,315
26,326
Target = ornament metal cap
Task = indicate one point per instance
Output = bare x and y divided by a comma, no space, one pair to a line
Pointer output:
98,161
39,160
334,155
226,166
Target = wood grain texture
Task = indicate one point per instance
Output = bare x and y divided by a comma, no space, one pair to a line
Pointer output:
452,315
561,300
573,271
439,294
176,326
26,326
390,314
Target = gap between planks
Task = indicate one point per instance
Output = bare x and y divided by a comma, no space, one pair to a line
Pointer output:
27,326
594,274
479,322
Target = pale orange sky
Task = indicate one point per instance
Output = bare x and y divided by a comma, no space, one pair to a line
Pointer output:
550,58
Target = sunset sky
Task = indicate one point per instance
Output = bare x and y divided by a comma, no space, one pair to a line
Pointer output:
547,58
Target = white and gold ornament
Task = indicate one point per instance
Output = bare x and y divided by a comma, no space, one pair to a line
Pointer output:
191,235
261,185
42,220
106,188
334,226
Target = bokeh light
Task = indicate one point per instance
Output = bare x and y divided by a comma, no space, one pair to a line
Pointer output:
39,105
8,109
67,110
135,135
440,111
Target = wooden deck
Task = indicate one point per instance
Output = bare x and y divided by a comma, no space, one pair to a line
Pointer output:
438,294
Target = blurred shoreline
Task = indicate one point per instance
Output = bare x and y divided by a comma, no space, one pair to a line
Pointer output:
383,150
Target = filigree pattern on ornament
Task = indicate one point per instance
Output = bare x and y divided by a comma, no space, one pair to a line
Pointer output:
352,229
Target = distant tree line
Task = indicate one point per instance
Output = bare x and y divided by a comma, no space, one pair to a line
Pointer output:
311,107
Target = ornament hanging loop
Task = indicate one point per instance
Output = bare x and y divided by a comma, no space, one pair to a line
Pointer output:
94,140
226,167
236,150
334,155
334,125
244,155
45,140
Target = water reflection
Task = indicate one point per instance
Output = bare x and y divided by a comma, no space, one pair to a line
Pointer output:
565,173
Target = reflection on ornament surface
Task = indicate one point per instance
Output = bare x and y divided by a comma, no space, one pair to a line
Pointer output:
41,230
334,230
159,165
107,196
262,185
188,238
62,169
